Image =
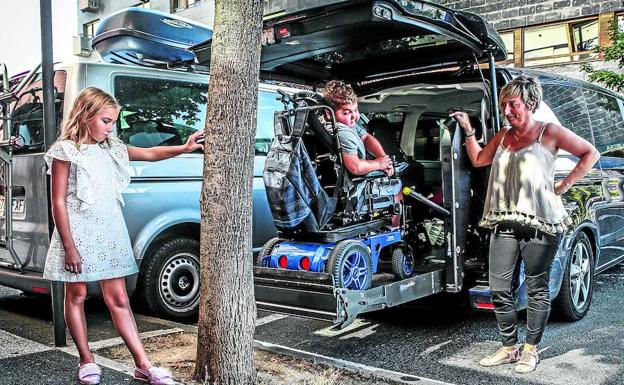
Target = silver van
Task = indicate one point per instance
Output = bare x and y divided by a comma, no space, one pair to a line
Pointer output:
159,107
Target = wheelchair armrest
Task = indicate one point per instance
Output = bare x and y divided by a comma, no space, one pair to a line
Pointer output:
371,175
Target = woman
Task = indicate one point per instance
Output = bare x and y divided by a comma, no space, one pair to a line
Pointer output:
524,211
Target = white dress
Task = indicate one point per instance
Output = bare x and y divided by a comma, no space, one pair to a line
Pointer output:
98,174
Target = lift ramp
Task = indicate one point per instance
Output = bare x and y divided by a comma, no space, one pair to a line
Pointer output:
314,295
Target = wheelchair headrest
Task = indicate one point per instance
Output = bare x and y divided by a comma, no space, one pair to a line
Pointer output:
308,98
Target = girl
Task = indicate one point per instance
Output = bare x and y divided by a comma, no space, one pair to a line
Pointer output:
90,241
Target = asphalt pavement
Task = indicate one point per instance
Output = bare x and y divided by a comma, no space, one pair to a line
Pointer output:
433,341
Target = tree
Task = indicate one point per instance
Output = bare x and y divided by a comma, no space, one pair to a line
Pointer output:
614,52
227,309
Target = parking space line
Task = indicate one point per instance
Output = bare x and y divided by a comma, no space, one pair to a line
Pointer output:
433,348
269,319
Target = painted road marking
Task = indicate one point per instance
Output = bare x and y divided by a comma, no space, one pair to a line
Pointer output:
433,348
269,319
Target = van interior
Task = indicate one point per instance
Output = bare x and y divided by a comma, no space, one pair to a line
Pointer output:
409,121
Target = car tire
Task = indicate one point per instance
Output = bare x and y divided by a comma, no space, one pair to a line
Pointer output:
574,298
266,250
171,279
350,264
402,263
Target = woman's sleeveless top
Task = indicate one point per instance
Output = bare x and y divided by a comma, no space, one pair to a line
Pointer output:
521,189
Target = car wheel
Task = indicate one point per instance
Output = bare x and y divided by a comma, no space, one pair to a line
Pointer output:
171,279
402,263
350,264
267,249
575,295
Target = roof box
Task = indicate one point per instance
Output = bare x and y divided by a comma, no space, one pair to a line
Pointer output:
148,38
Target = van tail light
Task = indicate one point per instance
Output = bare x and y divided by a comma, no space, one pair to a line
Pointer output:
484,305
40,290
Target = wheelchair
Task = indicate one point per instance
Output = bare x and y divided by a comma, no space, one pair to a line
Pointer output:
329,221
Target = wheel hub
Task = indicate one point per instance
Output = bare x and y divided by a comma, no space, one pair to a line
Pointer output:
179,282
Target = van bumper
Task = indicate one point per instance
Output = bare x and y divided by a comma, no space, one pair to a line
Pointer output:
28,281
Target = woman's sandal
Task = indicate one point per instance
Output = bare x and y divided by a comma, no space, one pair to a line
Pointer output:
154,376
90,374
501,357
528,362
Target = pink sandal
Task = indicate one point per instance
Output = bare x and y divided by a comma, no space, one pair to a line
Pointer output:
90,374
154,376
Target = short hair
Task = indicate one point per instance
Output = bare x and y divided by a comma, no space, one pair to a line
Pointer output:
337,93
528,88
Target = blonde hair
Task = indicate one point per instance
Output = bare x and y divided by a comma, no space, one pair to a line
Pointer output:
527,88
88,103
337,93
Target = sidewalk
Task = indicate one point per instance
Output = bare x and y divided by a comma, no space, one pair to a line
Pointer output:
26,362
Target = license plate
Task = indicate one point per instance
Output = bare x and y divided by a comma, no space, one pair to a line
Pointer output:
18,205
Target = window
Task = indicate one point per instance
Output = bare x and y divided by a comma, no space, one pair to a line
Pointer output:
546,42
178,5
508,39
143,4
267,105
568,105
585,38
606,119
163,112
554,43
159,112
27,114
88,29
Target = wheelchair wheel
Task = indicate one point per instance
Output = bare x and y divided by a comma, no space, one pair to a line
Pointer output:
350,264
266,250
402,263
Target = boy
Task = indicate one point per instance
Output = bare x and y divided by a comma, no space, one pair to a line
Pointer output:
354,141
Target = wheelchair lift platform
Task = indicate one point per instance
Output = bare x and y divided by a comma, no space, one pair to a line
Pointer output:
314,295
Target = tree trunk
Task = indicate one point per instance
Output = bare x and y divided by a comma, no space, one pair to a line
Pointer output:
227,310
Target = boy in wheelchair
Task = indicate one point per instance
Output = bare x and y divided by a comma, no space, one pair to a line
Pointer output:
355,142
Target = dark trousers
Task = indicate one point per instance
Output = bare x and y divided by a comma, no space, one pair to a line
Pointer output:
536,249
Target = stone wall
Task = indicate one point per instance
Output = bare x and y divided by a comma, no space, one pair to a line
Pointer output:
505,14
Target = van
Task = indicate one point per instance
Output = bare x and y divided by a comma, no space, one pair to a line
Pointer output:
160,107
412,63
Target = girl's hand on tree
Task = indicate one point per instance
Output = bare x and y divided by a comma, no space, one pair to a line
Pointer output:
195,141
73,262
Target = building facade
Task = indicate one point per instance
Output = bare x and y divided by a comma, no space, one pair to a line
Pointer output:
551,35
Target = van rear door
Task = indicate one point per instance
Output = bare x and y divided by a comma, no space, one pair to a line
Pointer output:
365,42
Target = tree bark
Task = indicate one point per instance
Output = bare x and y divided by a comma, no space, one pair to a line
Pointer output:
227,310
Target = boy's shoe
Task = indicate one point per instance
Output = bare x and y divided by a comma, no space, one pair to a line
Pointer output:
500,357
154,376
90,374
528,362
